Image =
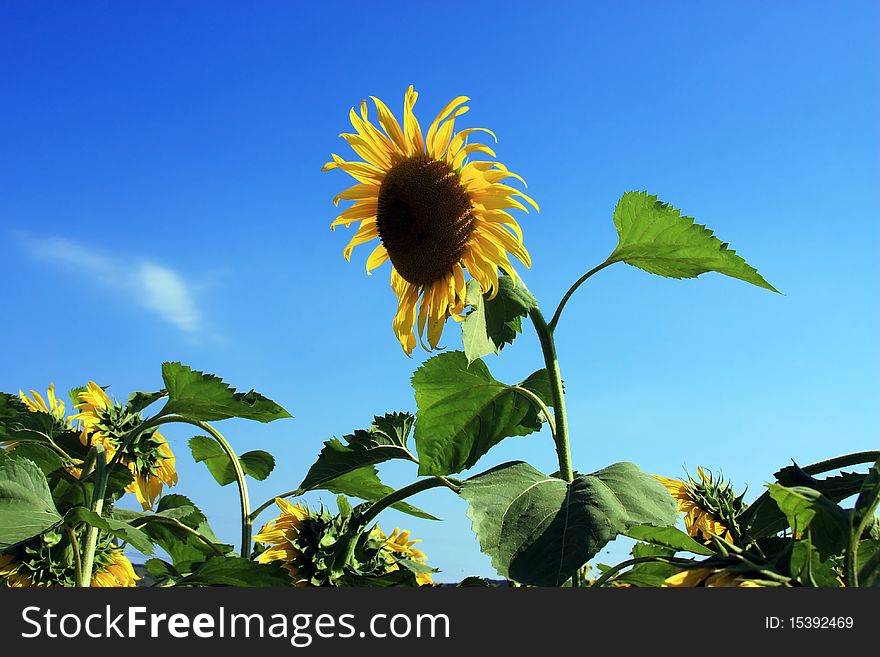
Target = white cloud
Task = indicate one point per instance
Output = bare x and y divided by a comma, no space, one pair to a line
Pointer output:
154,287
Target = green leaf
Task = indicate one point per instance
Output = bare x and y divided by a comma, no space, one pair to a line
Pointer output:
869,562
495,322
669,537
181,546
384,440
364,483
539,530
655,237
205,397
138,401
42,455
649,573
806,508
808,567
235,571
26,506
463,412
113,526
258,464
869,497
19,423
763,518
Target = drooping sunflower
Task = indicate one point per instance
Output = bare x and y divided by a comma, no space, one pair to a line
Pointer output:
149,458
43,562
304,541
435,213
709,505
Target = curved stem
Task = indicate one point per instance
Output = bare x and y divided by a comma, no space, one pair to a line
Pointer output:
525,392
841,462
101,470
244,498
548,347
265,505
573,288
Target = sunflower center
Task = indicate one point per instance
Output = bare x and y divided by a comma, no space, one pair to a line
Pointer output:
425,219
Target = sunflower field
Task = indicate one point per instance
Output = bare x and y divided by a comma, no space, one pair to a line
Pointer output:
440,208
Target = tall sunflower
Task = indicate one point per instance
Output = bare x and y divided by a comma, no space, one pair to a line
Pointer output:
149,459
436,214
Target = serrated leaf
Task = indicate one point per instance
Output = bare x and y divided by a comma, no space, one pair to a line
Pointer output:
463,412
384,440
668,537
235,571
763,518
125,532
805,509
364,483
539,530
26,505
495,322
658,239
181,546
41,455
257,464
809,568
206,397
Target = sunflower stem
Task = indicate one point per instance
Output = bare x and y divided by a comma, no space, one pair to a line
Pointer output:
77,557
99,454
244,498
573,288
561,438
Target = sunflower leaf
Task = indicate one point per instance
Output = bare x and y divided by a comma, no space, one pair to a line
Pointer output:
26,505
364,483
41,454
495,322
657,238
17,422
806,508
138,401
668,537
137,538
539,529
257,464
463,412
206,397
235,571
382,441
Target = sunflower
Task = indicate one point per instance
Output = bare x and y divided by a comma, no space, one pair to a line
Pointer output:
399,546
703,503
149,459
281,534
37,563
710,577
305,542
436,214
36,403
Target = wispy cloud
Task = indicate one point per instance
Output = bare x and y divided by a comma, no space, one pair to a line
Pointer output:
154,287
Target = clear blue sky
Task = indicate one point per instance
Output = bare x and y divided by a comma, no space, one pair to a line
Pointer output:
161,197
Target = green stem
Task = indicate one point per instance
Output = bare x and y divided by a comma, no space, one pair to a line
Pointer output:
841,462
851,559
244,499
548,347
101,471
573,288
525,392
77,557
349,542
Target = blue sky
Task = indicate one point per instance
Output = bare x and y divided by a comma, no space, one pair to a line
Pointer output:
161,198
